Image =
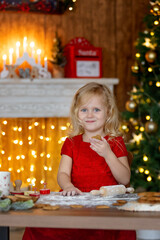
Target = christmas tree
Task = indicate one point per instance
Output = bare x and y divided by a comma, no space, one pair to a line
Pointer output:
141,120
58,57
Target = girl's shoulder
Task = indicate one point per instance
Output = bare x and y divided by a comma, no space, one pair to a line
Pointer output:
118,140
117,145
74,140
70,144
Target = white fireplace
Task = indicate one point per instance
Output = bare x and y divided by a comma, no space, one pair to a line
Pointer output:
23,98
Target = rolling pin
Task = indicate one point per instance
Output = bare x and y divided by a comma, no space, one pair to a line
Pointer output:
112,190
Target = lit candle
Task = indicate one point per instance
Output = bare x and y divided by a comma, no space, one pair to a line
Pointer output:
25,44
4,61
11,56
17,49
32,47
45,63
39,56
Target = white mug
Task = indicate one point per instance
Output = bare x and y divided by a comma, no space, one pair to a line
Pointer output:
4,182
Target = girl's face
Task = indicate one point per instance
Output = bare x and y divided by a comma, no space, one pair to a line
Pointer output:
92,116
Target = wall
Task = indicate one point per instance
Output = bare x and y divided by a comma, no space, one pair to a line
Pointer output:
110,24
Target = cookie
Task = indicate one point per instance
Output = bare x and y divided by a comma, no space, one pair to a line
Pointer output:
151,200
12,198
119,203
22,197
116,204
145,201
40,205
149,194
50,208
97,137
76,206
122,202
102,206
149,197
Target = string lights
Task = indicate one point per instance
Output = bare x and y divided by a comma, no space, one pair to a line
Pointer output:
30,149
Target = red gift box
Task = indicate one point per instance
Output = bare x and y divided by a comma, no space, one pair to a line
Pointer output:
83,59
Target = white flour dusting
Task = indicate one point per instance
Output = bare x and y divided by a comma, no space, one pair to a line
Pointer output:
86,199
135,206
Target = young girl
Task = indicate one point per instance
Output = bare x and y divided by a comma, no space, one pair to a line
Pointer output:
88,163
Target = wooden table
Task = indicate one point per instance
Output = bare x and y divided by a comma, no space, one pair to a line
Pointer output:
87,218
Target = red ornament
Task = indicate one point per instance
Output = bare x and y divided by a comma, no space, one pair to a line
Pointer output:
40,6
3,6
24,7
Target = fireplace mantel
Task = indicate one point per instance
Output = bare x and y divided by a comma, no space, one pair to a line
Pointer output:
23,98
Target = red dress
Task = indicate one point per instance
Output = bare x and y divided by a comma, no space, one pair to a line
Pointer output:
89,171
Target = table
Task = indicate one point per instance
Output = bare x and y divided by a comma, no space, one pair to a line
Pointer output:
87,218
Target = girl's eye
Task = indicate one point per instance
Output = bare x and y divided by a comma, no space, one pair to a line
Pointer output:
83,110
96,109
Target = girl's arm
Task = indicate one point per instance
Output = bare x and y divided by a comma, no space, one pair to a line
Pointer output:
119,166
64,177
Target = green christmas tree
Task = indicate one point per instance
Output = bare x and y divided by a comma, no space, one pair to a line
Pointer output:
141,120
58,57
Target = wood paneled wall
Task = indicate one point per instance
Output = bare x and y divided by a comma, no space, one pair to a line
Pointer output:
110,24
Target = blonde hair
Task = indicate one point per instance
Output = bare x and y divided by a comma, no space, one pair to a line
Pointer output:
82,96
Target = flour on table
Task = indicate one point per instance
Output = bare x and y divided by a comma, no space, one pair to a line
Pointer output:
135,206
86,199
